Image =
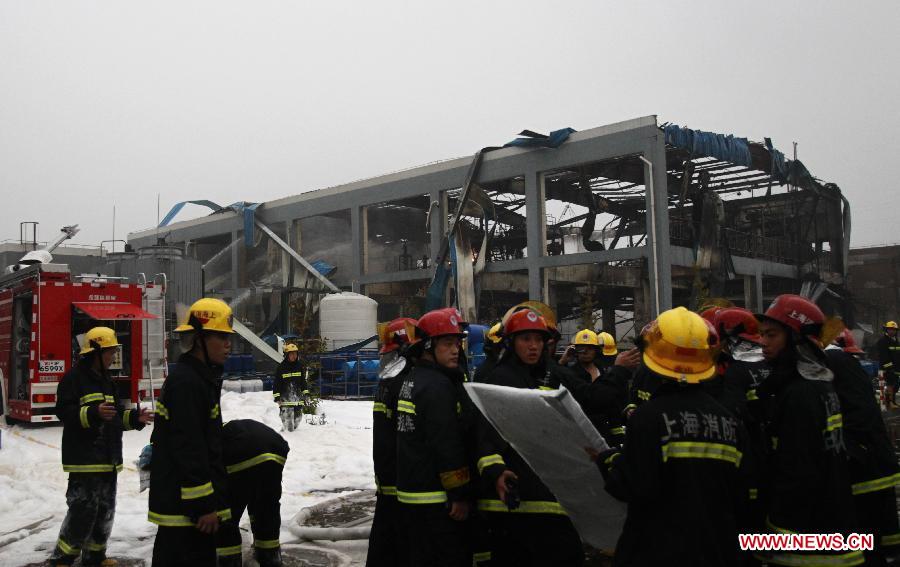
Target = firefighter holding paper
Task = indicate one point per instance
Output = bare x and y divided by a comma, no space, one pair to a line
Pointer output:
528,526
290,388
93,423
680,469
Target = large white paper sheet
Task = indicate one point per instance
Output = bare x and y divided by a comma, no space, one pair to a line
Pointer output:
550,431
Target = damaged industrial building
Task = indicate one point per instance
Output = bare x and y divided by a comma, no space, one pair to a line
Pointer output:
608,226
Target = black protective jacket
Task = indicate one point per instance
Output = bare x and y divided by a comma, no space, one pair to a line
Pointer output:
681,473
603,400
384,432
431,453
643,386
888,354
807,481
873,465
290,384
734,387
247,443
188,478
90,444
496,455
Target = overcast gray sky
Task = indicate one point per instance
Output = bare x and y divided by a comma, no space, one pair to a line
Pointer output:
110,103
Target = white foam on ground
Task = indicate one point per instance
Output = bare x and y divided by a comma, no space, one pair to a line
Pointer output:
336,456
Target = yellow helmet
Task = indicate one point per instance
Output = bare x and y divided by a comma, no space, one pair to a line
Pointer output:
208,314
586,337
609,344
890,325
291,348
676,345
494,335
99,337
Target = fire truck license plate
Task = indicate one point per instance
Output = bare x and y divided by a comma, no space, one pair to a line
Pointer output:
52,367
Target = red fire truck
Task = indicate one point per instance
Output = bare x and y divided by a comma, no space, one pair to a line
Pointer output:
44,313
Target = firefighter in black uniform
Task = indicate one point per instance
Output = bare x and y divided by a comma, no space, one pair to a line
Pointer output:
808,487
680,470
873,465
889,359
528,526
493,347
385,539
188,496
741,369
599,388
254,456
290,388
433,478
93,422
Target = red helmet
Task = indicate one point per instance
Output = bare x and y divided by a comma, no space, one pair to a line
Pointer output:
441,322
797,313
737,322
710,313
525,320
846,341
713,337
395,335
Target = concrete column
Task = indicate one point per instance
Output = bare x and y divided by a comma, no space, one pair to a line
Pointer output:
359,233
436,222
287,277
535,231
658,245
759,292
235,259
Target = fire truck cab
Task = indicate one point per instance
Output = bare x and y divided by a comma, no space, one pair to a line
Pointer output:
44,314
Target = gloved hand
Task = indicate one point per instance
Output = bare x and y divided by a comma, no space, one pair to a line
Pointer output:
604,459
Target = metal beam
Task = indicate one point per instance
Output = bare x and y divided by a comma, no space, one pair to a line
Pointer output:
293,253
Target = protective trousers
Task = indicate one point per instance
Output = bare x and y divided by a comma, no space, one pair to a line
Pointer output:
183,547
257,490
91,498
433,538
291,416
386,538
523,540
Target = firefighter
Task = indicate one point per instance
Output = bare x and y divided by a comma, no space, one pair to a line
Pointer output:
93,422
600,389
889,360
528,526
188,499
807,478
493,347
680,470
741,369
290,388
385,539
873,465
433,478
254,456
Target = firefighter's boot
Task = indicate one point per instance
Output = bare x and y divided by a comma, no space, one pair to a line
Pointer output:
268,557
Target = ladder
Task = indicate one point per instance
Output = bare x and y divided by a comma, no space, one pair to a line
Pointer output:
156,365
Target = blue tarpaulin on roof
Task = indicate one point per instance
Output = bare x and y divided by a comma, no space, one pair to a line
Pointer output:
719,146
531,139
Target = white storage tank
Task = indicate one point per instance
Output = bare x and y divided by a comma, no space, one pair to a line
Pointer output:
346,318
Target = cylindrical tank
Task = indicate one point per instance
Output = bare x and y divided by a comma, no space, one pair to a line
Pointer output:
347,318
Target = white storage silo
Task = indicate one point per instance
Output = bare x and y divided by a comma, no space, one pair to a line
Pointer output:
346,318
